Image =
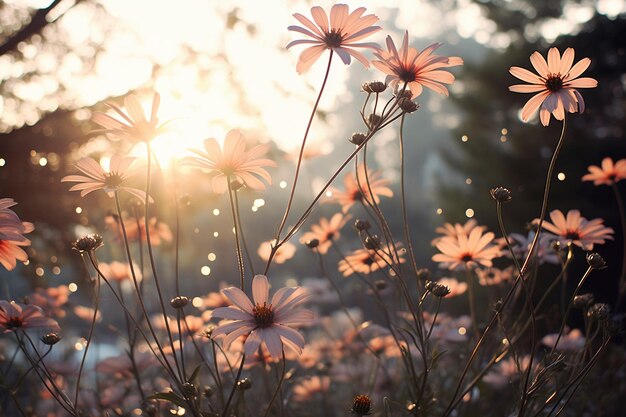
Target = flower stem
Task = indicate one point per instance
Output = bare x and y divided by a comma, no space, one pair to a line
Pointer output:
622,217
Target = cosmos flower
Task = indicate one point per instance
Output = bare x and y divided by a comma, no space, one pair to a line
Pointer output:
414,68
11,227
466,251
51,300
576,229
233,163
353,193
14,316
282,255
608,173
456,229
555,85
506,371
521,244
366,261
134,125
121,169
263,322
326,231
340,36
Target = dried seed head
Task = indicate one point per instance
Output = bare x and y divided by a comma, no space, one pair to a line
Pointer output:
599,311
407,105
374,87
51,339
179,302
438,290
361,225
372,242
501,194
582,300
595,261
88,243
189,391
373,120
358,138
361,405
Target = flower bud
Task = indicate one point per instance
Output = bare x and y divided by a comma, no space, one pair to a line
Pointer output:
358,138
407,105
582,300
51,339
373,120
88,243
595,261
374,87
312,244
179,302
361,225
189,391
361,405
244,384
208,390
501,194
380,285
599,311
438,290
371,242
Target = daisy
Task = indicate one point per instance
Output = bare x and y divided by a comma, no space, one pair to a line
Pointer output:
357,189
414,68
366,261
134,126
232,162
308,388
340,36
555,85
576,229
121,169
282,255
11,227
467,251
326,231
456,229
14,316
11,247
263,322
609,173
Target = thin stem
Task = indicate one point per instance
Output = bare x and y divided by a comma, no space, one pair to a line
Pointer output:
280,384
232,391
237,246
622,219
242,235
472,300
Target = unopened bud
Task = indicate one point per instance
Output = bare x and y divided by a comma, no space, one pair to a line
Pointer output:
51,339
438,290
501,194
88,243
189,391
595,261
361,225
407,105
380,284
373,120
244,384
312,244
208,391
374,87
179,302
582,300
371,242
599,311
358,138
361,405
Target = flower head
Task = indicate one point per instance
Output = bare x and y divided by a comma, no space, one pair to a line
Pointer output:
12,239
233,162
134,125
366,261
608,173
326,231
282,255
14,316
414,68
341,34
456,229
576,229
555,85
262,320
467,250
357,188
121,169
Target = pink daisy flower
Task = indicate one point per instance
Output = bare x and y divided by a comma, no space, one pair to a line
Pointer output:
414,68
467,251
326,231
555,85
608,173
264,323
576,229
14,316
340,36
356,188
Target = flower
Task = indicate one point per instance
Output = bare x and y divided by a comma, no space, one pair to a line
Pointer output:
415,69
282,255
507,371
326,231
573,340
136,229
576,229
366,261
118,271
308,388
609,173
14,316
494,276
12,231
456,229
233,162
134,126
555,85
121,169
466,250
357,188
521,244
340,36
456,288
264,323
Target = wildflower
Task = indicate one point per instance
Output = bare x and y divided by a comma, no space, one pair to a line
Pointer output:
340,36
555,85
14,316
454,287
521,244
51,300
415,69
358,189
282,255
573,340
233,162
12,239
366,261
11,252
121,169
466,251
456,229
326,231
506,371
576,229
118,271
264,323
608,173
88,243
438,290
133,126
493,276
308,388
361,405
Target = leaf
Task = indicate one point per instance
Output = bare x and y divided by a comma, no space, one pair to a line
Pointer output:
169,396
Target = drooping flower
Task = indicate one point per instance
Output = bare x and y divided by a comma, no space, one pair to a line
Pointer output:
233,162
282,255
366,261
357,188
608,173
414,68
121,169
14,316
576,229
467,251
264,323
326,231
134,125
341,35
556,85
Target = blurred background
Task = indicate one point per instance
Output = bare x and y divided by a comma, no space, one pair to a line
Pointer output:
223,65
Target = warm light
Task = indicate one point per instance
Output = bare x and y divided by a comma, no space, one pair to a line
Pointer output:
464,138
439,211
196,302
469,213
212,256
561,176
78,210
205,270
2,162
462,330
73,287
216,212
468,181
283,184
